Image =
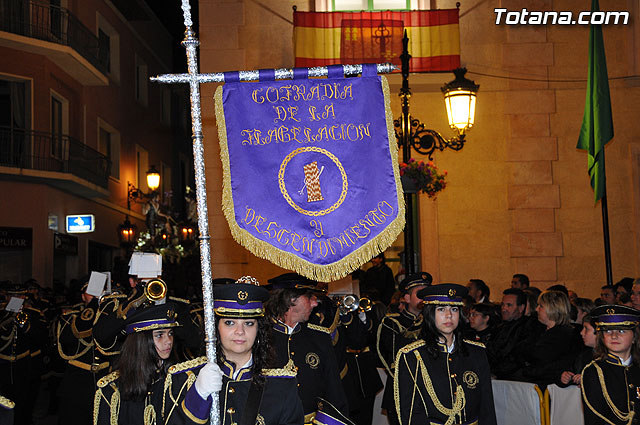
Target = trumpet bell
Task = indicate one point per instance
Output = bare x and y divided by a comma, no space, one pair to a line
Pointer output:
155,290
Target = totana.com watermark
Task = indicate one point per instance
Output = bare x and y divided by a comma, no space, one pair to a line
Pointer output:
527,17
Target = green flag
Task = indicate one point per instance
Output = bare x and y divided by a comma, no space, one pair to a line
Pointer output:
597,123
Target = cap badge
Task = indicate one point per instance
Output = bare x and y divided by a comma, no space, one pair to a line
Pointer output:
242,295
171,315
611,311
452,292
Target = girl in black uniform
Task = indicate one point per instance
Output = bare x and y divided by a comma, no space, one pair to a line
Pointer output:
611,383
251,393
441,378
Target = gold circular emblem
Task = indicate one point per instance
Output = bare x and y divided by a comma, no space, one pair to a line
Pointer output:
313,360
452,292
242,295
285,193
470,378
611,311
87,314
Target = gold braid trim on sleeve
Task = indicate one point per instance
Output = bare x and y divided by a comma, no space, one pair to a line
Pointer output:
180,299
412,346
191,416
189,364
479,344
319,328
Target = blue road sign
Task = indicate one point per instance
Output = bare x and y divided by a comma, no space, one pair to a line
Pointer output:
84,223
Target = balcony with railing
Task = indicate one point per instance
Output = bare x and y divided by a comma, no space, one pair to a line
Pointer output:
59,159
53,31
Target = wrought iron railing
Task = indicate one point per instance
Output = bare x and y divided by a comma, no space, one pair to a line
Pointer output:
51,23
39,150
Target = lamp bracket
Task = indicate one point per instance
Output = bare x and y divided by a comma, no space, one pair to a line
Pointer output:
425,141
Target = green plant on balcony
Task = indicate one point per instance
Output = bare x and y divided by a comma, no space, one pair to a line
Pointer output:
424,177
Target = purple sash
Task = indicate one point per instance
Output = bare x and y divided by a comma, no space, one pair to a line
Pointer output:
310,168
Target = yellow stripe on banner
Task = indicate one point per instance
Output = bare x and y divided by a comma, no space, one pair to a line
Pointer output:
324,43
317,43
441,40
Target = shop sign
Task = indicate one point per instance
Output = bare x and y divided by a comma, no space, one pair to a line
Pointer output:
16,237
65,244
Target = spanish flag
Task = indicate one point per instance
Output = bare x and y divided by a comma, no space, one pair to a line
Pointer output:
328,38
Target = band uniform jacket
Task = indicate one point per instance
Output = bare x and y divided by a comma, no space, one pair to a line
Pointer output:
162,406
280,403
22,336
84,364
326,318
394,332
362,373
453,386
312,355
610,392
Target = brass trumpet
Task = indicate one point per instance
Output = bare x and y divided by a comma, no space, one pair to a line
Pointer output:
351,302
155,290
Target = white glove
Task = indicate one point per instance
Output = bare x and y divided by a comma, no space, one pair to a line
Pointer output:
209,380
363,317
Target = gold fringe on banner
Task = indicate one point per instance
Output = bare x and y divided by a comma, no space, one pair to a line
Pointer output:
289,261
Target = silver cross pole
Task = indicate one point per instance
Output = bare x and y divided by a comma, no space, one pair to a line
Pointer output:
194,79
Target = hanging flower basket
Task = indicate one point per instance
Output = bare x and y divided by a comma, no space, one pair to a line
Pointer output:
420,176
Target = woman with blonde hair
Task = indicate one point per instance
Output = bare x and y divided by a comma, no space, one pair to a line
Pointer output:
546,356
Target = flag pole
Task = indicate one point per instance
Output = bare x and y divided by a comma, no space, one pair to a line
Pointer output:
605,234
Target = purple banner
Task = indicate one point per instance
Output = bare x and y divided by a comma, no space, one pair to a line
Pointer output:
311,177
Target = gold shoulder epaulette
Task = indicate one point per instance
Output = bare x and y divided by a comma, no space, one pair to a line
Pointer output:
392,315
182,300
6,403
188,365
414,345
284,372
319,328
66,313
479,344
105,380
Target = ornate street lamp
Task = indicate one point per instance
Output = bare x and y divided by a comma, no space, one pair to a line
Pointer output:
460,102
153,178
127,233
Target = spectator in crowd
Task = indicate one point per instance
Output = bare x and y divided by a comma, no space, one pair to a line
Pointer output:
483,318
502,347
548,355
623,290
608,294
532,294
609,384
573,375
520,281
380,277
584,307
478,290
572,296
635,295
